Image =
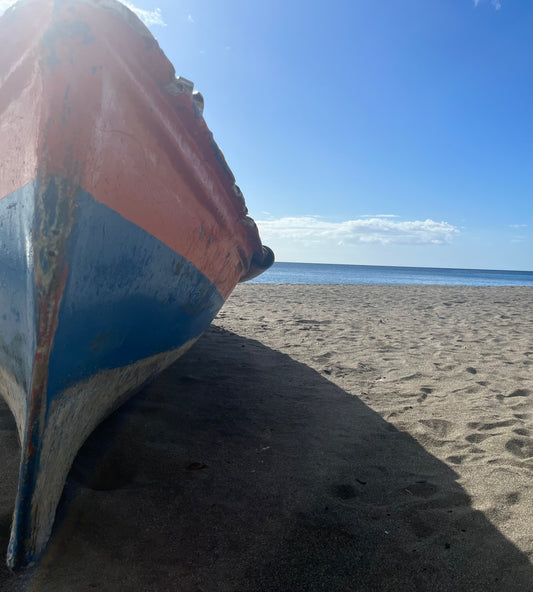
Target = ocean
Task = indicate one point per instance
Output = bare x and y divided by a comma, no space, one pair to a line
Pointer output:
321,273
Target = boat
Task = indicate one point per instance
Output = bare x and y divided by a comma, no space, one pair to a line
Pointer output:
122,232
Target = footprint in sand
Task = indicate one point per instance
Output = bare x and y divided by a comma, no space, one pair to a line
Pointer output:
498,424
476,450
516,393
522,432
426,390
519,393
477,438
456,459
472,390
411,376
439,427
512,498
422,489
322,357
520,448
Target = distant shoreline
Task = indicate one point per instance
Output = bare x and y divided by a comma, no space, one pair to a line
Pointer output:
325,273
411,267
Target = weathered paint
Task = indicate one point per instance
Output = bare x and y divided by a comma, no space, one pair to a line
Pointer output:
90,56
119,272
70,421
17,311
113,306
122,231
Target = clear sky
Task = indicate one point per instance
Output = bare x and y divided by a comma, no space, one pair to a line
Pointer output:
380,132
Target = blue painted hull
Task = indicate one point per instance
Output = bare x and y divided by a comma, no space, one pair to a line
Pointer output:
122,232
129,307
119,272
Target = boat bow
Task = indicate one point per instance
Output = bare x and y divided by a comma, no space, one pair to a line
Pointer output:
121,226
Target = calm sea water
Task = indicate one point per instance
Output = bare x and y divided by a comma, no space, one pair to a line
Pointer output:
320,273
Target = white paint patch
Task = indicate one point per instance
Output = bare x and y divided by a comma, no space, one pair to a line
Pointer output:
70,420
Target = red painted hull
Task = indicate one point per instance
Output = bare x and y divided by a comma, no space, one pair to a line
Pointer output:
124,231
99,103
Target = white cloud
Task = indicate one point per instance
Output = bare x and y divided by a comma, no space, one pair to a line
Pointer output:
496,4
5,4
190,18
517,225
380,230
148,17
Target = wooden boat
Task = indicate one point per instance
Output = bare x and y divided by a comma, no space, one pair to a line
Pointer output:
122,232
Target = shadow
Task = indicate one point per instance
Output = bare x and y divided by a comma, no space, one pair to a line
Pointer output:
240,469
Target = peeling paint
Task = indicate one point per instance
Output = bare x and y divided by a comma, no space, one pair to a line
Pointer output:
106,177
52,224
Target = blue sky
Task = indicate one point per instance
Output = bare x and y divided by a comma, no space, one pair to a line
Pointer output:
369,131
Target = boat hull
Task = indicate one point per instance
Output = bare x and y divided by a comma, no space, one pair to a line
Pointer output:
122,232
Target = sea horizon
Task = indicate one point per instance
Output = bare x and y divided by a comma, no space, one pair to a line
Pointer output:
336,273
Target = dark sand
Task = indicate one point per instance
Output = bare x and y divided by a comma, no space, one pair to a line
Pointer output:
339,438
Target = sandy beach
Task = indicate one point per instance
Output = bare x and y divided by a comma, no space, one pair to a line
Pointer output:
316,438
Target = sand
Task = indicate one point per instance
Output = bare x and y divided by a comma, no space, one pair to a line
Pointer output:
332,438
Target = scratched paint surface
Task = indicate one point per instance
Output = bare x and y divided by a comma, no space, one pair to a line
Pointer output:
175,178
70,421
127,308
123,231
17,316
17,320
127,297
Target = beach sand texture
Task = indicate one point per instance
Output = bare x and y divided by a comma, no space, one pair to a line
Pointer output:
332,438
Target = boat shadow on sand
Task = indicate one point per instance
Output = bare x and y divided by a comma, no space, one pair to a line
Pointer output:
240,469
